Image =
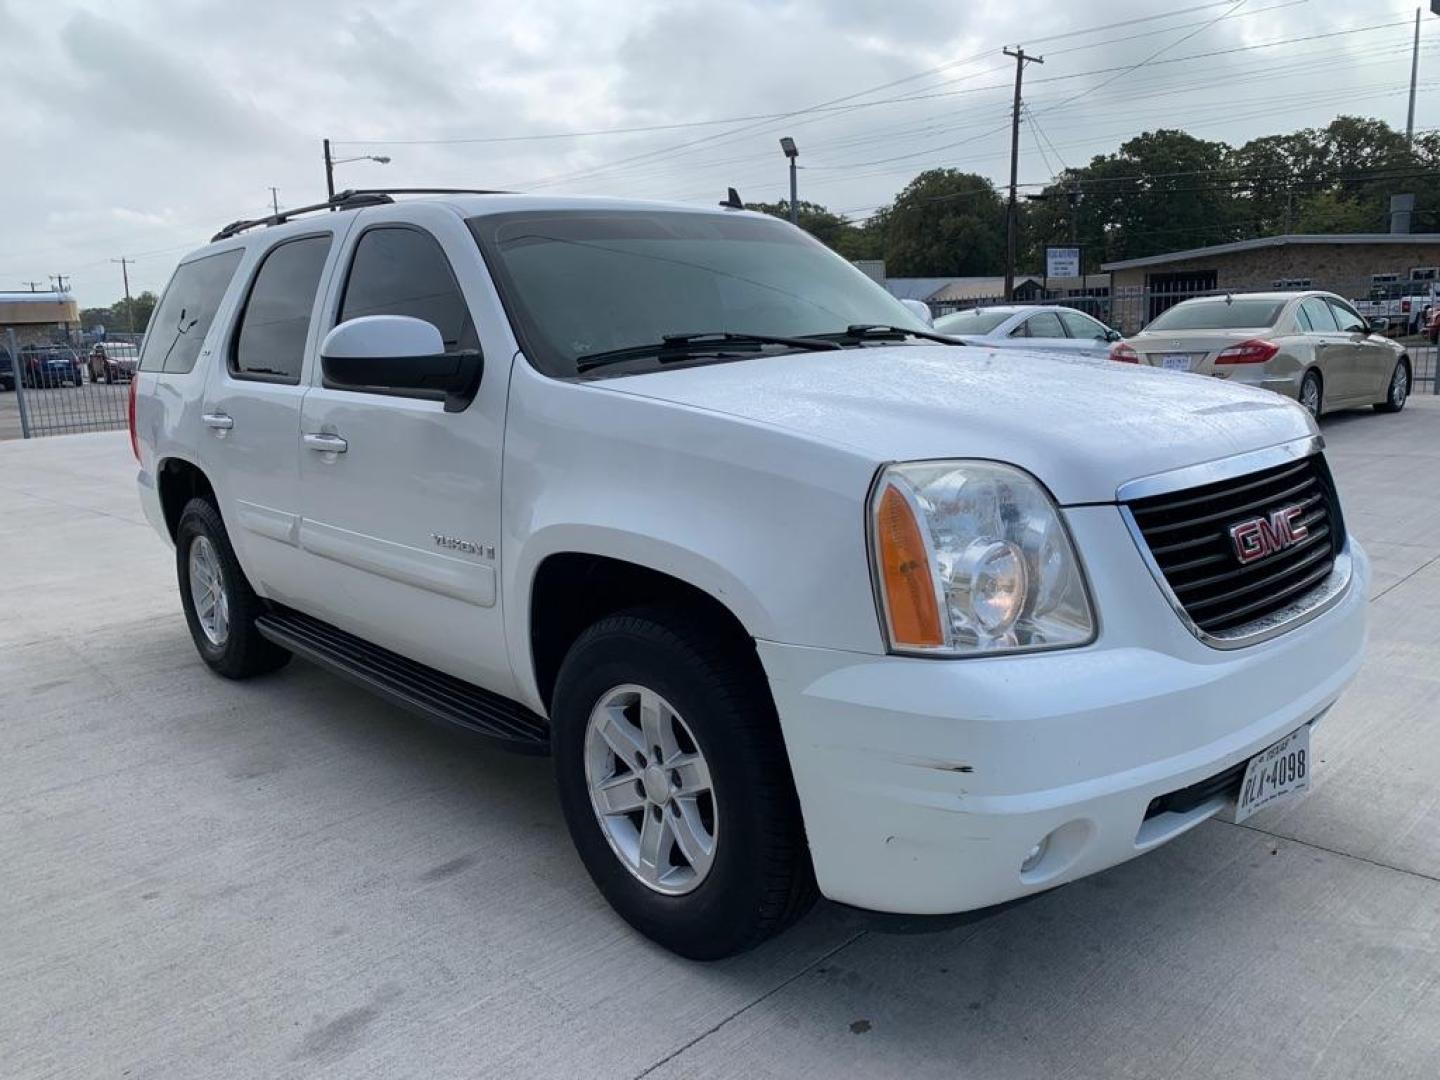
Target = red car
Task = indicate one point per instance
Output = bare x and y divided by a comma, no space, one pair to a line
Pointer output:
113,361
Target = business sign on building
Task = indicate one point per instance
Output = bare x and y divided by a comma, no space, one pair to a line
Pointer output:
1062,262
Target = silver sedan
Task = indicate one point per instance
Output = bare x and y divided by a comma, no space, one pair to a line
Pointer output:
1048,328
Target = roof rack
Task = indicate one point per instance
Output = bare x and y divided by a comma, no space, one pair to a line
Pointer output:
350,199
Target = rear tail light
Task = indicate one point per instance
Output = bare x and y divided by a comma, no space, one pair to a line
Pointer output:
1254,351
130,415
1124,353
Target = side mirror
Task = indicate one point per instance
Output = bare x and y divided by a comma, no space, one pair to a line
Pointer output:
1113,335
920,310
1378,325
399,355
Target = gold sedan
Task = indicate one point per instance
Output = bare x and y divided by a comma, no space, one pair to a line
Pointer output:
1310,346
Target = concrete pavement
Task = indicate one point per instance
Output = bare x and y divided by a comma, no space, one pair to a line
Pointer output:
288,878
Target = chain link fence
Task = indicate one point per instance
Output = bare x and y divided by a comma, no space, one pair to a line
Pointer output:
61,388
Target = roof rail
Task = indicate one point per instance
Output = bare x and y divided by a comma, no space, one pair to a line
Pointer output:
350,199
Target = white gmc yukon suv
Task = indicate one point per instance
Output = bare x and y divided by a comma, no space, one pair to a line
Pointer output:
798,594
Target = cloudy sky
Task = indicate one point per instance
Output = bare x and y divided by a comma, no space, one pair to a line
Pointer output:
138,127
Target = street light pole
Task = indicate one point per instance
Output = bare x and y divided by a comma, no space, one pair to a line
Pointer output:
331,162
787,144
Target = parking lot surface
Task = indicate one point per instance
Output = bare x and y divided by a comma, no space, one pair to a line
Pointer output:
287,877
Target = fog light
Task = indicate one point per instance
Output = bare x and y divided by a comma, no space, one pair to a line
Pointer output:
1034,855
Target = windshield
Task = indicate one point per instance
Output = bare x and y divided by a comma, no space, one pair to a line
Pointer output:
1218,314
979,321
584,282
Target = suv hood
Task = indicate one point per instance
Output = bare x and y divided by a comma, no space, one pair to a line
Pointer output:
1082,426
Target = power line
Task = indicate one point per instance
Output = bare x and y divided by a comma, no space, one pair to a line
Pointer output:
651,128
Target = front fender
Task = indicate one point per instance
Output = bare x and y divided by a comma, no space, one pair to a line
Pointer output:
769,523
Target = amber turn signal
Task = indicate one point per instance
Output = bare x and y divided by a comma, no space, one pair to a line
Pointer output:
910,600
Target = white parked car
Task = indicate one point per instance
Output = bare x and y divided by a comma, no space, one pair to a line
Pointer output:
797,593
1030,326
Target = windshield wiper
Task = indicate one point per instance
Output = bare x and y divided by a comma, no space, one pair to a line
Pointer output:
675,347
858,332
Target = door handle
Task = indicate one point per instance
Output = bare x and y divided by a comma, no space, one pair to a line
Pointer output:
325,442
218,420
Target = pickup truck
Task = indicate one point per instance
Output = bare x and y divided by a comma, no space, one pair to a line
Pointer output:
802,597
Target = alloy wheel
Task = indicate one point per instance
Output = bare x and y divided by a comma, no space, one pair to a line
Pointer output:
1399,386
207,591
651,790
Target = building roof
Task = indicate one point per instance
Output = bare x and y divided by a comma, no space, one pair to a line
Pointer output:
27,308
951,289
1295,239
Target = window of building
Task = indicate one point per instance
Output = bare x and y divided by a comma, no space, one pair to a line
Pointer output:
276,320
180,323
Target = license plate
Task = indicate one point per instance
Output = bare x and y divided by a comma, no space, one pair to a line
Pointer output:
1277,774
1175,361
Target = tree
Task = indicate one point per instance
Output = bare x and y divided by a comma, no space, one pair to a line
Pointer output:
116,319
831,229
945,222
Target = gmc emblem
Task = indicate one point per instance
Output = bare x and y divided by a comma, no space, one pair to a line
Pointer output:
1261,536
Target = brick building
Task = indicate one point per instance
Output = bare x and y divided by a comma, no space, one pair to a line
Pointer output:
1354,265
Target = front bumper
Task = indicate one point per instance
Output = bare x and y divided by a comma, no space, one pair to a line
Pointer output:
925,783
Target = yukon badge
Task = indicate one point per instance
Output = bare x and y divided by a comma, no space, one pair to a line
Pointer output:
469,547
1260,536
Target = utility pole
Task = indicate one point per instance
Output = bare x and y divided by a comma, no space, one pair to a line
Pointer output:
1012,210
129,304
34,285
57,282
329,172
1075,215
275,201
1414,71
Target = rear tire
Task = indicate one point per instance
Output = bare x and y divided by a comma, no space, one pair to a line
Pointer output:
754,876
1399,390
220,606
1312,394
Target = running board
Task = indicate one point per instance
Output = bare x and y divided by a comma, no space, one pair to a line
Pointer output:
410,685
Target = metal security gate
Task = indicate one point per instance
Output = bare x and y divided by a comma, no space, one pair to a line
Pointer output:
60,390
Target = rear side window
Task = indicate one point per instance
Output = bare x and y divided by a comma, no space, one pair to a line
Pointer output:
1315,312
1044,325
179,325
276,319
398,270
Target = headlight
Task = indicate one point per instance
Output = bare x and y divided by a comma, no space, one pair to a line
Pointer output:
972,557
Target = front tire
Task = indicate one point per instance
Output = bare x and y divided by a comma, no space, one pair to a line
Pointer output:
220,606
675,784
1398,391
1312,393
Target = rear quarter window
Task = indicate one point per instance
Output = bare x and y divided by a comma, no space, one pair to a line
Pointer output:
180,323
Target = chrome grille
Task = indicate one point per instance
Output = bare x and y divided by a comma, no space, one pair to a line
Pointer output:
1189,536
